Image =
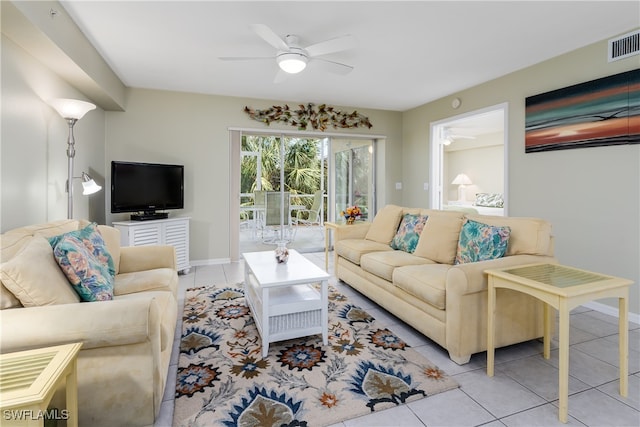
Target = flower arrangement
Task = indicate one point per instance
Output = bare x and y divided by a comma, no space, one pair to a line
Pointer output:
351,214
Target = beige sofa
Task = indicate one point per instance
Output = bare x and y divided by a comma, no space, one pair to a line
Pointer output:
445,302
126,342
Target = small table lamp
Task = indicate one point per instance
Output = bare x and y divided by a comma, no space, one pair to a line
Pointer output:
461,180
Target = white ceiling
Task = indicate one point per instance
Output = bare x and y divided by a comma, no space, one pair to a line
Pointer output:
409,53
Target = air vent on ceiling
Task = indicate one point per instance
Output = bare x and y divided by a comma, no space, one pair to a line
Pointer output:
624,46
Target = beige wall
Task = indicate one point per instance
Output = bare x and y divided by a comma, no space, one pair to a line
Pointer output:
590,195
34,143
191,129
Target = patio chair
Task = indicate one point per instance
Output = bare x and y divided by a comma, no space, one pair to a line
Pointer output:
273,216
313,216
258,208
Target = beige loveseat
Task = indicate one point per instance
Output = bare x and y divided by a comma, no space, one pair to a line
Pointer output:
126,342
444,301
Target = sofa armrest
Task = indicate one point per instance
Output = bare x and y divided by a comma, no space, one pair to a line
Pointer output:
141,258
95,324
353,231
469,278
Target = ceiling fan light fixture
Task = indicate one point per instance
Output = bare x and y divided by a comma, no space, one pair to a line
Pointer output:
292,63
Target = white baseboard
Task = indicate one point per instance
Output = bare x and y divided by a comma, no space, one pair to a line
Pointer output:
611,311
214,261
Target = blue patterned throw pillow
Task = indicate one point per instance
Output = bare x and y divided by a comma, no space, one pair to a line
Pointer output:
88,276
481,242
92,239
85,260
408,234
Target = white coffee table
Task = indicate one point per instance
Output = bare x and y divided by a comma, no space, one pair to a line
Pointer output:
282,299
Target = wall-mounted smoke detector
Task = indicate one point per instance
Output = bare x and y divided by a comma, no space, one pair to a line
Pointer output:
624,46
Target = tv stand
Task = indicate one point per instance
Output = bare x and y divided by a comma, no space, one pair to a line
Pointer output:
171,231
147,216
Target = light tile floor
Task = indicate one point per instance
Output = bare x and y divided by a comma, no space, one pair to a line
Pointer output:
523,391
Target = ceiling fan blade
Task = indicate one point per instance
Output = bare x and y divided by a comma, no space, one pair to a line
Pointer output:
281,76
244,58
451,134
337,44
269,36
332,66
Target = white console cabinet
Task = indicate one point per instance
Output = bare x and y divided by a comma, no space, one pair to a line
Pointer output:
170,231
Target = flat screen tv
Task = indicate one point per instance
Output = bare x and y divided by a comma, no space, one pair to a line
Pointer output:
146,188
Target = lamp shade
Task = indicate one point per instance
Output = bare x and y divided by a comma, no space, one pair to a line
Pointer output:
89,186
71,108
461,179
292,63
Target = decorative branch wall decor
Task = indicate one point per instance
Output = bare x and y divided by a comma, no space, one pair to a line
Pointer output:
320,117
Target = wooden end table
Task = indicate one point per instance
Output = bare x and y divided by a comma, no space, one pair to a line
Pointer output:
328,226
562,288
283,302
28,380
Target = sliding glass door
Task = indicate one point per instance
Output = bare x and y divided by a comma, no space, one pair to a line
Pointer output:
286,186
283,181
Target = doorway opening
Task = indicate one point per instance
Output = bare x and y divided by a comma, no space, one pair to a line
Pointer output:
469,161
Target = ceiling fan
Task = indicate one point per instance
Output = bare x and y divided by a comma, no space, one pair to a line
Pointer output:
448,136
293,58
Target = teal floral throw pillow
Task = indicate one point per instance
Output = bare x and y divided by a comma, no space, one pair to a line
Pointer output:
88,276
92,239
481,242
408,234
84,259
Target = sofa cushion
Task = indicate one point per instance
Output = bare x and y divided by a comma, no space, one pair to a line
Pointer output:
12,243
384,224
425,282
439,239
406,238
353,249
481,242
382,264
158,279
88,275
7,299
111,237
34,277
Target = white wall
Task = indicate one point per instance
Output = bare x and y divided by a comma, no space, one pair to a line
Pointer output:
482,160
591,196
34,142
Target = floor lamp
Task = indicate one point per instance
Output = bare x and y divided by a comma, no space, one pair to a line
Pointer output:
73,110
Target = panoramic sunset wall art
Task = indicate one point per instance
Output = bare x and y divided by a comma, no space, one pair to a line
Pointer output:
593,114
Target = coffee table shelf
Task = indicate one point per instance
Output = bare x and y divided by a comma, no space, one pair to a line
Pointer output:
283,299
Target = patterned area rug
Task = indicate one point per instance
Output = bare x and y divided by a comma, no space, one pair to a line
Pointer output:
222,379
